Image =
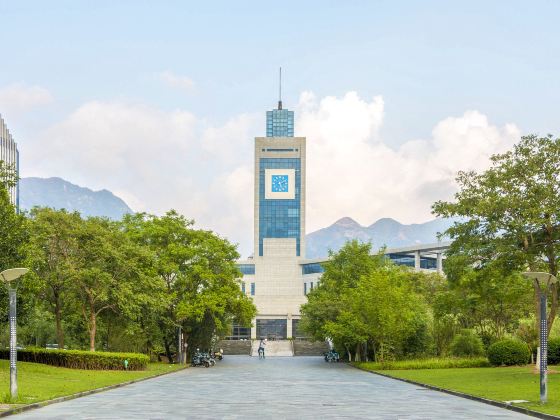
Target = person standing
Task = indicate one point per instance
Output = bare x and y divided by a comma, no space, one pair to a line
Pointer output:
262,345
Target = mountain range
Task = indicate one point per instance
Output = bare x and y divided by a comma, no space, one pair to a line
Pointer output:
58,193
385,232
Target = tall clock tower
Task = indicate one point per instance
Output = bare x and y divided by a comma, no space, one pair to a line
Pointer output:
279,224
280,187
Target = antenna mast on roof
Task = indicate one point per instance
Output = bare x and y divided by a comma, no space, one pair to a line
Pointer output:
280,91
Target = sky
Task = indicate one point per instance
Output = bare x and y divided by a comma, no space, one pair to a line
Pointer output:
159,102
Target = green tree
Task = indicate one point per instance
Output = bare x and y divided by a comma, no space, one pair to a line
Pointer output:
211,297
510,214
364,301
110,273
342,272
387,307
198,272
52,251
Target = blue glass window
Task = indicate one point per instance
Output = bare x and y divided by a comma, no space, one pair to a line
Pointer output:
429,263
279,218
312,268
243,287
252,289
305,289
246,269
280,123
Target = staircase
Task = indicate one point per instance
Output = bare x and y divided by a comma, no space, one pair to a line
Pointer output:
310,348
278,348
231,347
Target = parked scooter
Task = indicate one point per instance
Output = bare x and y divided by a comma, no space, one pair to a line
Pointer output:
219,355
210,358
332,356
200,359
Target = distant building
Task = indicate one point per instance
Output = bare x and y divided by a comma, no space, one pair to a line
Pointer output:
10,155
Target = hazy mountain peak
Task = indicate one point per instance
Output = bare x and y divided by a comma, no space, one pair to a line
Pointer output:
347,222
386,221
58,193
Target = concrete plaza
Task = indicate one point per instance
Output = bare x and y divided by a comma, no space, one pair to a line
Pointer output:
276,388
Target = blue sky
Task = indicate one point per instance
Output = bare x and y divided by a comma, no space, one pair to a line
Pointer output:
429,61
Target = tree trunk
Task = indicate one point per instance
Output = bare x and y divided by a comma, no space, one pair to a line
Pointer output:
167,346
358,358
553,306
92,329
349,353
59,330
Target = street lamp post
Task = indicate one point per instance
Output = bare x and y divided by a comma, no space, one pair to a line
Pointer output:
543,282
9,276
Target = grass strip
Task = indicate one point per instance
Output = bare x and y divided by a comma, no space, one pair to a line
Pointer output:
498,384
38,382
434,363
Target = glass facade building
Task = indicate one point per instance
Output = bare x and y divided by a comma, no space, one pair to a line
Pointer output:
280,123
279,218
9,154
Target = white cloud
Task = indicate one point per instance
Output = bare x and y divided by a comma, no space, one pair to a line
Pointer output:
157,160
19,97
176,81
352,172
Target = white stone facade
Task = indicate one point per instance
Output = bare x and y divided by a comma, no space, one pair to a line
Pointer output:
278,285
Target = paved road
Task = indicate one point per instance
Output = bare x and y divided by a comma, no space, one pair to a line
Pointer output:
242,387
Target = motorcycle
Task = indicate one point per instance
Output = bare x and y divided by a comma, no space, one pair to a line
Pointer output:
210,359
201,359
332,356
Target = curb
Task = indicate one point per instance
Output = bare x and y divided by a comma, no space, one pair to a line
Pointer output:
500,404
27,407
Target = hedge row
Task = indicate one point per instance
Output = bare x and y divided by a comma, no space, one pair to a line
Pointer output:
78,359
433,363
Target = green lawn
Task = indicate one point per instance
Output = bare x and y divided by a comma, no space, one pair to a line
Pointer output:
38,382
500,384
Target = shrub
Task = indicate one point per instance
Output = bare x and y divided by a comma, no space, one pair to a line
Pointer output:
554,351
508,353
467,344
78,359
419,341
433,363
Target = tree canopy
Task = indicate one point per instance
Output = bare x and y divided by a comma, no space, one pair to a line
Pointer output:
509,215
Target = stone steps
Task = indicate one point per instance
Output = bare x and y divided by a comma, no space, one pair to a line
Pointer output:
310,348
235,347
278,348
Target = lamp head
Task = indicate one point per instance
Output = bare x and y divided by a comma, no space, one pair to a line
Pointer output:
542,279
12,274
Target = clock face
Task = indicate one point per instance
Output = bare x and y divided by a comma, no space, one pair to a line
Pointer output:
279,183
